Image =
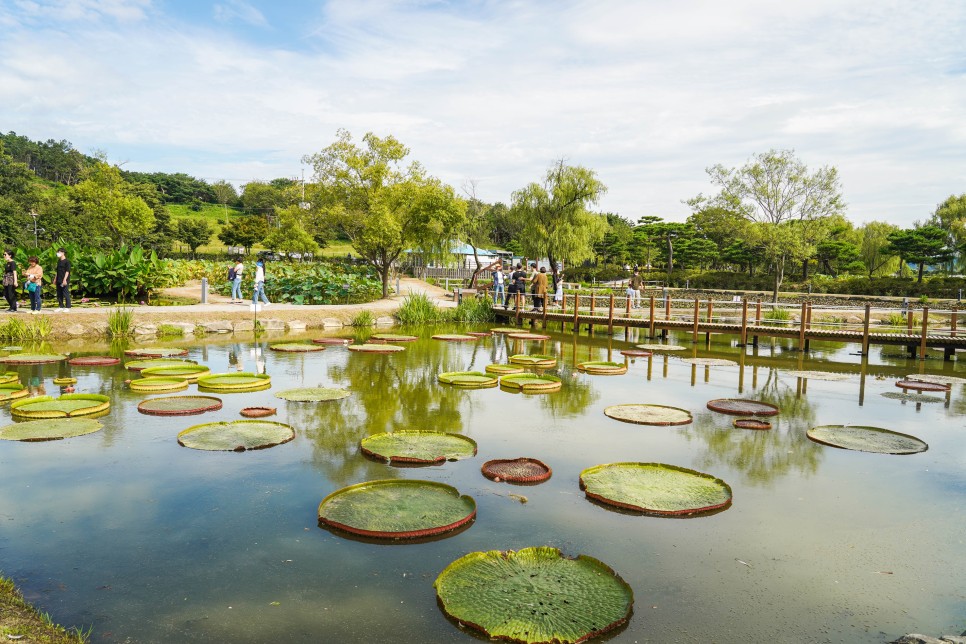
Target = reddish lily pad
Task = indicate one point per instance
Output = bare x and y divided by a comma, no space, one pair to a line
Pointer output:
93,361
740,407
517,470
921,385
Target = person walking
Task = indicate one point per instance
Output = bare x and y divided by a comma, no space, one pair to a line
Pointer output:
34,274
498,284
62,281
10,281
539,289
235,277
259,284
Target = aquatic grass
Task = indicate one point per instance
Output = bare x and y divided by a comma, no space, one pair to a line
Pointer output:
170,329
474,310
33,330
17,617
777,315
363,318
120,322
418,309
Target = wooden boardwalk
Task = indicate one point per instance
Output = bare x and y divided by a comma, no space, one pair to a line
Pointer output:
748,325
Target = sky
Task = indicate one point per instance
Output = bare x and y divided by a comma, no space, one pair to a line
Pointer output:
647,93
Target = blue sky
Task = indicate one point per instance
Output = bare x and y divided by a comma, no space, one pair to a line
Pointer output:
648,93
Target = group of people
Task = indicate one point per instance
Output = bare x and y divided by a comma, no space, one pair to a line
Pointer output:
33,281
506,286
235,273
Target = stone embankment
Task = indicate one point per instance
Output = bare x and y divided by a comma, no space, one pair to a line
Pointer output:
915,638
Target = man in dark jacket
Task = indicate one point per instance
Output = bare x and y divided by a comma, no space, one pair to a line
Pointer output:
62,281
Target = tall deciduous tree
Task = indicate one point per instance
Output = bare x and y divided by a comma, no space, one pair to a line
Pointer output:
874,248
925,245
245,231
557,223
290,236
383,207
106,203
777,193
194,232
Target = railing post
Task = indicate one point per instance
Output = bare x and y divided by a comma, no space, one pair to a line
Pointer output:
925,331
563,311
610,316
808,322
576,328
865,329
952,320
707,336
628,310
651,320
754,339
744,321
801,326
518,294
667,314
694,330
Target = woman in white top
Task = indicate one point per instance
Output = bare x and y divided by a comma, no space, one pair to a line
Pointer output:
236,281
259,284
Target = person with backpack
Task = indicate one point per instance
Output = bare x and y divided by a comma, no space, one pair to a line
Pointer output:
235,277
518,284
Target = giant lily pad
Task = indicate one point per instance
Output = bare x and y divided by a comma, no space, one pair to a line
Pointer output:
397,509
188,372
505,329
751,423
236,435
140,365
534,360
12,391
393,337
93,361
32,358
867,439
468,379
711,362
333,341
937,378
528,336
635,353
534,595
9,376
157,383
655,488
819,375
296,347
413,446
375,348
454,337
661,347
179,405
517,470
504,369
914,398
156,352
49,429
312,394
740,407
646,414
531,383
921,385
229,382
62,407
602,368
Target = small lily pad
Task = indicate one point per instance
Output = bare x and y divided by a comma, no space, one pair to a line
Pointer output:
661,347
157,383
232,382
751,423
937,378
236,435
49,429
397,509
179,405
258,412
66,380
156,352
504,369
393,337
9,376
741,407
517,470
711,362
531,383
33,358
187,372
93,361
534,360
819,375
375,348
61,407
646,414
296,347
468,379
479,334
413,446
528,336
312,394
655,488
454,337
333,341
635,353
602,368
534,595
867,439
505,329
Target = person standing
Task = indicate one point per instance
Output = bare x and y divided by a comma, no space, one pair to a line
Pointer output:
259,284
10,281
34,273
235,276
558,290
517,285
539,289
634,289
498,281
62,281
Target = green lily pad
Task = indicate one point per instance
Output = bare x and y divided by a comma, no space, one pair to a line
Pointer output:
12,391
157,383
397,509
504,369
312,394
643,414
528,336
531,383
187,372
93,361
661,347
32,358
819,375
375,348
655,488
49,429
534,595
9,376
12,348
236,435
156,352
602,368
393,337
179,405
414,446
913,398
229,382
65,381
139,365
740,407
534,360
333,341
468,379
505,329
62,407
296,347
454,337
867,439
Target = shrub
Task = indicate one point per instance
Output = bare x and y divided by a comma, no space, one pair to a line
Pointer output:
417,308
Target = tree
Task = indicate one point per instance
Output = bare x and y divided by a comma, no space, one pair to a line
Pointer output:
838,256
109,205
663,234
19,195
721,225
225,194
262,198
874,248
381,206
194,232
741,253
476,229
696,252
923,246
775,191
290,236
618,242
245,231
504,227
950,215
556,221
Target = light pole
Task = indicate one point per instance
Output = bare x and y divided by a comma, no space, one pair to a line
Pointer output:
35,214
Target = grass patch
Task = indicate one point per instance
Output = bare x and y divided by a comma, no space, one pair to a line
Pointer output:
170,329
120,322
35,329
18,618
363,318
417,308
476,310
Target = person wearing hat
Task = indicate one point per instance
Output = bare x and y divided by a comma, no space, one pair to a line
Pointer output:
259,284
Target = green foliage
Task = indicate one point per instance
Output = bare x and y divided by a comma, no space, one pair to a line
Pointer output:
777,315
33,330
418,309
291,236
125,273
363,318
120,322
108,205
924,245
175,187
245,231
193,232
474,310
296,283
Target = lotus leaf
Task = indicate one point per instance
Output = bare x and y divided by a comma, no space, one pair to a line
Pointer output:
867,439
236,435
655,488
157,383
751,423
12,391
711,362
644,414
602,368
296,347
661,347
375,348
312,394
156,352
138,365
937,378
504,369
64,406
179,405
397,509
534,595
531,383
528,336
517,470
534,360
9,376
919,385
819,375
49,429
916,398
454,337
739,407
93,361
393,337
32,358
187,372
229,382
414,446
468,379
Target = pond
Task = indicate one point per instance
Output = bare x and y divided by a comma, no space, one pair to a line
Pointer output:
149,541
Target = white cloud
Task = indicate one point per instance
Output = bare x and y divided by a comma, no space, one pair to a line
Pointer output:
240,10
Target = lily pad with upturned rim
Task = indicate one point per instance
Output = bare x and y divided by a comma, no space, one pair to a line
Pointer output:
742,407
454,337
49,429
312,394
179,405
602,368
188,372
517,470
66,380
922,385
235,382
528,336
468,379
866,439
375,348
504,369
819,375
414,446
479,334
157,383
635,353
12,391
751,423
661,347
68,405
332,341
9,376
655,488
140,365
156,352
534,595
397,509
33,358
648,414
296,347
258,412
236,435
534,360
93,361
937,378
531,383
393,337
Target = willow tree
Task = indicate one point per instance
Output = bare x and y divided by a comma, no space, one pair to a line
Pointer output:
381,205
556,222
